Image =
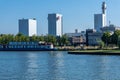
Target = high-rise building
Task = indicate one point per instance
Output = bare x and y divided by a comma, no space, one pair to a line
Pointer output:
100,19
55,24
28,27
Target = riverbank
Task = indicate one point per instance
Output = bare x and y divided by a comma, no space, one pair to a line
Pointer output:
95,52
79,48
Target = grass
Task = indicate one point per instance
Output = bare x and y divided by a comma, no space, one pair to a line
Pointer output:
95,52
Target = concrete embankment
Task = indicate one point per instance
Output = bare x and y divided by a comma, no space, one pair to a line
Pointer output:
94,52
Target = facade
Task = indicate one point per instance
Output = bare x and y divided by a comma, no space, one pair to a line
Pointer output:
55,24
100,19
87,32
77,38
94,38
28,27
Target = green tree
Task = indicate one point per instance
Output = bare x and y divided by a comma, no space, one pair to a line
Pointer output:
106,38
58,41
21,38
118,42
6,38
64,40
24,38
41,38
19,34
115,37
101,44
34,38
50,39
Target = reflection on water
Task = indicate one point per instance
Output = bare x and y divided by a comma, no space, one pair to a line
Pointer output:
57,66
32,67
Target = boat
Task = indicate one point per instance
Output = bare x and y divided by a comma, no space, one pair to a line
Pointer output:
27,46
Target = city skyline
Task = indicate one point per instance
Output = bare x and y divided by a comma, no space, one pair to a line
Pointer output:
77,14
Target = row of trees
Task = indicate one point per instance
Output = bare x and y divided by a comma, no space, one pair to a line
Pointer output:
109,38
60,41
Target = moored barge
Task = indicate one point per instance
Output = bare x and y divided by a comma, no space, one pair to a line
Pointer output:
27,46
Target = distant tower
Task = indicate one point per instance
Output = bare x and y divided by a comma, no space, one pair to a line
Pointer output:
100,19
76,30
104,7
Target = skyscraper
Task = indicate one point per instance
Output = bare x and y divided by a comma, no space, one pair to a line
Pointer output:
28,27
55,24
100,19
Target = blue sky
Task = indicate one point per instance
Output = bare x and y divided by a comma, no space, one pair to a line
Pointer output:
77,14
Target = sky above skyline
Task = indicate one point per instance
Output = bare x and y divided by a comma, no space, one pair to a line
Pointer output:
77,14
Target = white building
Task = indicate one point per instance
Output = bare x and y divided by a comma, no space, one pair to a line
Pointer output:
55,24
28,27
100,19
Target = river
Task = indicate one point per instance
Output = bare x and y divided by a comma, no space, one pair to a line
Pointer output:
57,66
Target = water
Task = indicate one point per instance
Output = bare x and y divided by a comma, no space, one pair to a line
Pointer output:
57,66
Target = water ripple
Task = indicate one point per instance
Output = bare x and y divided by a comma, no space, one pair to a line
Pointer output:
57,66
